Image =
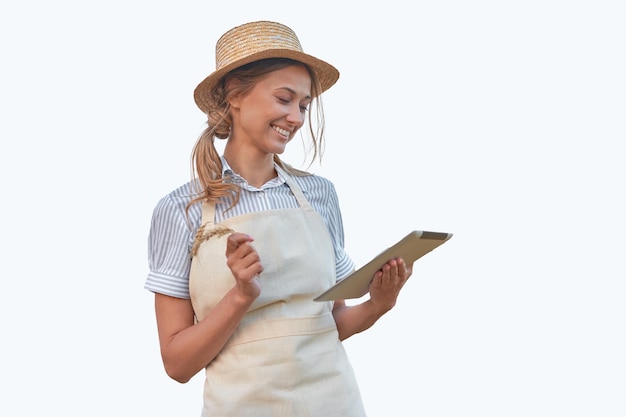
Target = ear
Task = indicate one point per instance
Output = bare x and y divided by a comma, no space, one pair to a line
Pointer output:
235,99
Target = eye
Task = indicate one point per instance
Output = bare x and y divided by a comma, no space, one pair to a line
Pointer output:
304,105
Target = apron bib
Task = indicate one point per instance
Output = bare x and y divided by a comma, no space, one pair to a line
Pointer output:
285,357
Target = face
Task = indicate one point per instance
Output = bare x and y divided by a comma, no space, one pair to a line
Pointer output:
269,116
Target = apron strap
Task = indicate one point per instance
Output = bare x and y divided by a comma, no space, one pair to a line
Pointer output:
295,189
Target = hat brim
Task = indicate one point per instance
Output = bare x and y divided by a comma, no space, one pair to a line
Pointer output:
327,74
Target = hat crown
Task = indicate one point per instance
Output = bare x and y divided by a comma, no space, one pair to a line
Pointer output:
255,41
251,38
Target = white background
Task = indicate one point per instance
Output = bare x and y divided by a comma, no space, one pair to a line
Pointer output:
502,122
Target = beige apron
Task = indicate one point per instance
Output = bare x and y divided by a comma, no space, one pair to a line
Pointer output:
285,358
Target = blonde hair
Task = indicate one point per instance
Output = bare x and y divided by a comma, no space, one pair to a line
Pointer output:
206,162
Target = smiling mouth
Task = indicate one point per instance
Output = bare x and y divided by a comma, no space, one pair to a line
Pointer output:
283,132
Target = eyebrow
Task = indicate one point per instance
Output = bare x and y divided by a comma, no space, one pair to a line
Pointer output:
292,91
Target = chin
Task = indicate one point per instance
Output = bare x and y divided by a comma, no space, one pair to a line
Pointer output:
279,150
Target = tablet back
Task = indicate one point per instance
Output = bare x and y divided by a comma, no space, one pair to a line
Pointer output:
412,247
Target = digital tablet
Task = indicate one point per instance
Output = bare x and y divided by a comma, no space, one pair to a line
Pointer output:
410,248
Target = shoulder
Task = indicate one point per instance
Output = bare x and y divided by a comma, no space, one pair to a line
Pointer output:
320,192
315,183
174,203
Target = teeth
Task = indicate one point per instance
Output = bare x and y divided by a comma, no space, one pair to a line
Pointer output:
281,131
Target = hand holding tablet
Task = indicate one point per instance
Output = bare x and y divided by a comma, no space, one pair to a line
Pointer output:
410,248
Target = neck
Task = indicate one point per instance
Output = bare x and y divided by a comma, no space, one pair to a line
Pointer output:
256,171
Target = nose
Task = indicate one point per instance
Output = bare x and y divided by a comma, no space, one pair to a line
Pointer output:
295,115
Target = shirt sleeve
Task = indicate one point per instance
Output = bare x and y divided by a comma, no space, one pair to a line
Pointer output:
168,250
343,263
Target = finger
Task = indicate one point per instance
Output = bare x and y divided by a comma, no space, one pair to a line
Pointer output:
235,240
386,270
377,280
403,269
392,269
249,272
400,268
250,258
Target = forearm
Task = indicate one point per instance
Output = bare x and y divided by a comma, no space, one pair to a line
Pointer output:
355,319
384,289
188,351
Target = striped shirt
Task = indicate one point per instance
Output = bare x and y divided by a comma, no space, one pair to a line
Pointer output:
172,234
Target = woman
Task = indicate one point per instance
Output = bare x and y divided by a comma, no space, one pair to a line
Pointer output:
238,254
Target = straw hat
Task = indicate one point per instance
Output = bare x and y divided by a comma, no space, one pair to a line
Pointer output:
252,42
